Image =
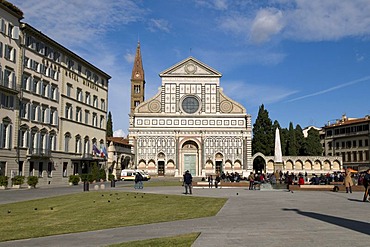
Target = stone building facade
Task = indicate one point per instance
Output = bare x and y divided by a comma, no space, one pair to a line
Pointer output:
190,124
349,138
59,106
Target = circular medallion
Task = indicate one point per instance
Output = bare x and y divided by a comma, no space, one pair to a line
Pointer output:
154,106
190,68
226,106
190,104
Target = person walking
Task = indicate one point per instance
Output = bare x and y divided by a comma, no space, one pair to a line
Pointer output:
138,181
251,181
210,181
217,180
188,180
348,181
366,183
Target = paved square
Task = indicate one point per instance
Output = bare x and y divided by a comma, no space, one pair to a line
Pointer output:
249,218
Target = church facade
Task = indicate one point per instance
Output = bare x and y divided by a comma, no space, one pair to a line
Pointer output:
190,124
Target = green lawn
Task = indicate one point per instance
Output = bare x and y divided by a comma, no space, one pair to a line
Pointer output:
185,240
89,211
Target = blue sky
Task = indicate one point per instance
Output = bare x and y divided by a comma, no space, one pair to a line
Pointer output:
307,61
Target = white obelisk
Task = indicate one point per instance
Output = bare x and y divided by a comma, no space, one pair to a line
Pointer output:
278,158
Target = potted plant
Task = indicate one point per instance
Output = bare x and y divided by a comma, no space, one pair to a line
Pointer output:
32,181
74,179
4,182
17,181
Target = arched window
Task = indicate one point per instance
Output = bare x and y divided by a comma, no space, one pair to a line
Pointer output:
78,146
52,140
6,133
67,138
86,145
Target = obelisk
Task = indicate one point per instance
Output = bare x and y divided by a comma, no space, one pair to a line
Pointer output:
278,157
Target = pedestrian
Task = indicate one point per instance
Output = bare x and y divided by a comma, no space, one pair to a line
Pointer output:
251,181
301,180
138,181
210,181
348,181
366,183
217,180
188,180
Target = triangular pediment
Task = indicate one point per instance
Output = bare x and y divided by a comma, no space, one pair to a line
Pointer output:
190,67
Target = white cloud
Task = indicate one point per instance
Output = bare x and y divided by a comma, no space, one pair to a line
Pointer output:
159,25
256,94
214,4
317,20
301,20
346,84
130,57
267,23
78,22
119,133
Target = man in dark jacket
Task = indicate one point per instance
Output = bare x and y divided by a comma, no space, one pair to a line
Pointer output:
367,185
188,180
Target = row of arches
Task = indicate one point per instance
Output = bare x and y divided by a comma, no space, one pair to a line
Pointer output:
263,163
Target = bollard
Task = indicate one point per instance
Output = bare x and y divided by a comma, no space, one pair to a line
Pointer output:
86,186
112,183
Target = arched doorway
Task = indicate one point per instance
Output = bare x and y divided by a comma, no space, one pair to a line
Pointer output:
190,157
259,164
161,158
219,158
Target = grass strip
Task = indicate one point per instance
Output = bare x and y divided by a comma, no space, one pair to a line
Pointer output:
88,211
184,240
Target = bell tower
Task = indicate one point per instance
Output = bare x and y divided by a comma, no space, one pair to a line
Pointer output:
137,81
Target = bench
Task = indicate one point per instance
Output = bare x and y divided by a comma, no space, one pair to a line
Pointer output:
325,187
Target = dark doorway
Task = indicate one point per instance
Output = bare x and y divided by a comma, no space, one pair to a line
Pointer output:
218,167
259,165
160,168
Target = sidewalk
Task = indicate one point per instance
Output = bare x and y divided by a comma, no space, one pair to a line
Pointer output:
249,218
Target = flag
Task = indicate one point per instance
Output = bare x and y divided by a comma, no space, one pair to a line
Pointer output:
95,150
103,152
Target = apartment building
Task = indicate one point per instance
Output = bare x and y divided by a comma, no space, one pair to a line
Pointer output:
9,90
349,138
61,115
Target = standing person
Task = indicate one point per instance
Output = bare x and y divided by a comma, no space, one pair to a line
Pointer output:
138,181
366,183
301,180
210,181
348,181
217,180
251,181
188,180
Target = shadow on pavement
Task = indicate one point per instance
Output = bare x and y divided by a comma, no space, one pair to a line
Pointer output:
358,226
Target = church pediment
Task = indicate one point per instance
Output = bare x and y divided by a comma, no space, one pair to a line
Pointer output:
190,67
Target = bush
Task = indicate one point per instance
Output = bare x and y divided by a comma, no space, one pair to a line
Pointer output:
74,179
18,180
102,174
87,178
110,177
4,181
95,173
32,181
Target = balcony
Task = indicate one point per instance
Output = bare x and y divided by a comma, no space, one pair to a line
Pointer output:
8,86
39,152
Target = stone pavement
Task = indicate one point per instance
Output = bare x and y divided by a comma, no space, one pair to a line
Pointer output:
249,218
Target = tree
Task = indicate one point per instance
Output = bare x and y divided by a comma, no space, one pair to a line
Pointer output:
263,136
109,131
300,139
313,146
292,141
